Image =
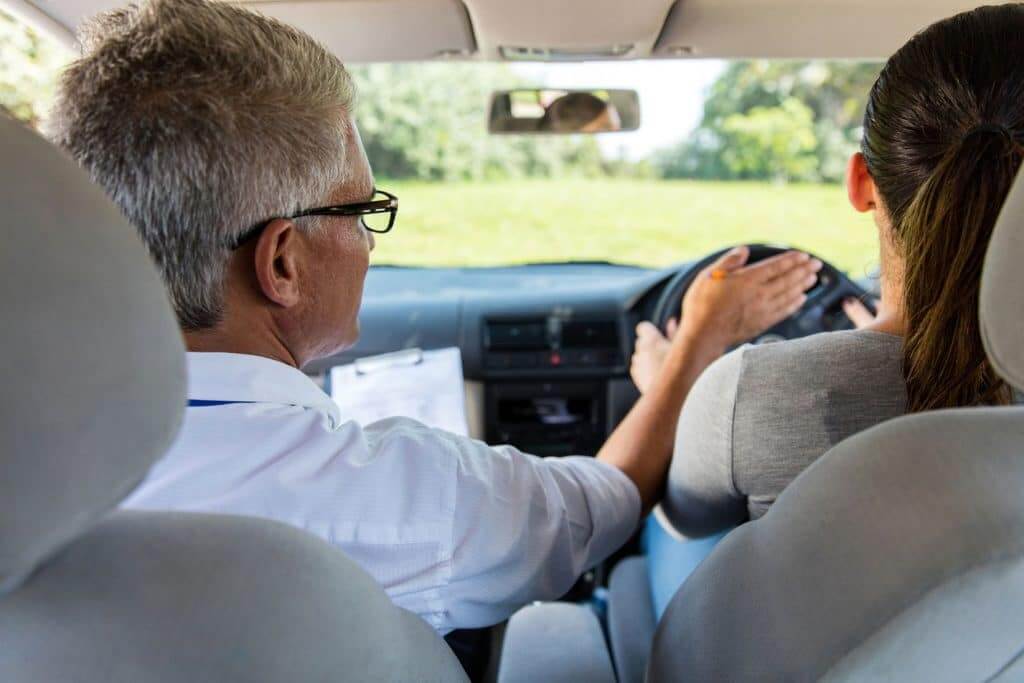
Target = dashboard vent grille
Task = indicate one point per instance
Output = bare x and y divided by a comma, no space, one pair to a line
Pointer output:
527,335
590,334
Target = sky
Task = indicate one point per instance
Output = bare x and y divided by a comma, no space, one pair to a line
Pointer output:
671,96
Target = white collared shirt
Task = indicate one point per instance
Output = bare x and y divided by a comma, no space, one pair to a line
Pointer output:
456,531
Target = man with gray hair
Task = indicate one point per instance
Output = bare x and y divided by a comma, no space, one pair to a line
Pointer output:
228,140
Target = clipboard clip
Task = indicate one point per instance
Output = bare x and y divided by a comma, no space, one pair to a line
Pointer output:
388,361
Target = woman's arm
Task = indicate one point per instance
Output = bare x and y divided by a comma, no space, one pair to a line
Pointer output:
728,303
703,497
641,446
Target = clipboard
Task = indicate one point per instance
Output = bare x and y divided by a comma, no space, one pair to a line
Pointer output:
387,361
426,386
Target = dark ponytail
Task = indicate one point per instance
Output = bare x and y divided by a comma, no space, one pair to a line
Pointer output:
942,140
949,224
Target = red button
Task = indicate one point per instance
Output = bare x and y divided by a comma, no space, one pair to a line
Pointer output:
556,359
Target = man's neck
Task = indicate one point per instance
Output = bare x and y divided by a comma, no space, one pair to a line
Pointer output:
257,342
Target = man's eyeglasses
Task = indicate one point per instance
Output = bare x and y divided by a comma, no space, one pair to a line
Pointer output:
376,215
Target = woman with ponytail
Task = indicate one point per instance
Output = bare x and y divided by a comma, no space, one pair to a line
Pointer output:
943,141
935,169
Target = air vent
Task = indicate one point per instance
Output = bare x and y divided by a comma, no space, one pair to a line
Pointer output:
526,335
590,334
556,54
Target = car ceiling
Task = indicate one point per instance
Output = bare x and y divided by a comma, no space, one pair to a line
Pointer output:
490,30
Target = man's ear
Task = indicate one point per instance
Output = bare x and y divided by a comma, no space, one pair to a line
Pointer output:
860,186
276,261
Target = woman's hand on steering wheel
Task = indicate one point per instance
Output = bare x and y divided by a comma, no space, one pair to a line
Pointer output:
731,302
859,314
727,304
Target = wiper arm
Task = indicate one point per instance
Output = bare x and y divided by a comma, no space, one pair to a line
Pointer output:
573,263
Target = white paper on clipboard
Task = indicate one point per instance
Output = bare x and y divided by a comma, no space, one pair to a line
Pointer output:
424,385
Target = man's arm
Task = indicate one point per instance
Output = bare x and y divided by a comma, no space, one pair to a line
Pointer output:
642,444
524,528
728,303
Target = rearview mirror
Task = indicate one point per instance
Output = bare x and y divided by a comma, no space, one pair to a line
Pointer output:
564,111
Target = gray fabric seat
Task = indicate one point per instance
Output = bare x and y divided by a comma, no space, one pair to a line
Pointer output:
564,643
897,556
865,549
189,597
554,642
631,618
92,394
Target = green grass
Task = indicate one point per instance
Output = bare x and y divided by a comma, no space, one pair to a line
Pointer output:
647,222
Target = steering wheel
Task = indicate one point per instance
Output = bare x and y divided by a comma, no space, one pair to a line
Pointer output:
823,311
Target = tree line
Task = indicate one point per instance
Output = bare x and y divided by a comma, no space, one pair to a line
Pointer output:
782,121
779,121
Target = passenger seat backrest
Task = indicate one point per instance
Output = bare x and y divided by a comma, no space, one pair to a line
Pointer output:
92,362
899,555
1001,307
92,393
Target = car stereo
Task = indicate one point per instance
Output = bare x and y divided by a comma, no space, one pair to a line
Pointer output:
551,344
547,418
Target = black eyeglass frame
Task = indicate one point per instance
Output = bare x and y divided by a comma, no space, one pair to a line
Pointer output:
375,206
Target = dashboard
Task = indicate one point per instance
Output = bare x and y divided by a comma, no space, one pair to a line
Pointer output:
545,348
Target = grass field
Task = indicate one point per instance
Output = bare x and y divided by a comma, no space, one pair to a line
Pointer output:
652,222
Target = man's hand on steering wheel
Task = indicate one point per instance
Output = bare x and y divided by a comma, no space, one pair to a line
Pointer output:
729,303
649,355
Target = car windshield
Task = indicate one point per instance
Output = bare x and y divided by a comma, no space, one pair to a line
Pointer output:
726,152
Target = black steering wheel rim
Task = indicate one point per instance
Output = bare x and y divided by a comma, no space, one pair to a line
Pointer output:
821,313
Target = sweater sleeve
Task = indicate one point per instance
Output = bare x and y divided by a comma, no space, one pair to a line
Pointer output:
702,497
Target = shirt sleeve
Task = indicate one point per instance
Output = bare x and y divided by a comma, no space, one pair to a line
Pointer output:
702,497
525,528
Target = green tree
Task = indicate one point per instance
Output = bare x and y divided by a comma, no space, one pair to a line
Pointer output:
29,67
771,142
834,93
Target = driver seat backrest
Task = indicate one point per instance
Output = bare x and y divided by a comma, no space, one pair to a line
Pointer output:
92,393
899,555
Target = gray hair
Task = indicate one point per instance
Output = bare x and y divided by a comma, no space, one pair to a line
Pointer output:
202,119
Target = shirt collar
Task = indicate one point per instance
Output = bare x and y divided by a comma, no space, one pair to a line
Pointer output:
255,379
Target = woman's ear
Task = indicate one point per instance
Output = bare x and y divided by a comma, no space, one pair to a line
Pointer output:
275,261
860,186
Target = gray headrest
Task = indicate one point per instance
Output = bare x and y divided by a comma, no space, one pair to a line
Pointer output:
1002,281
92,377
